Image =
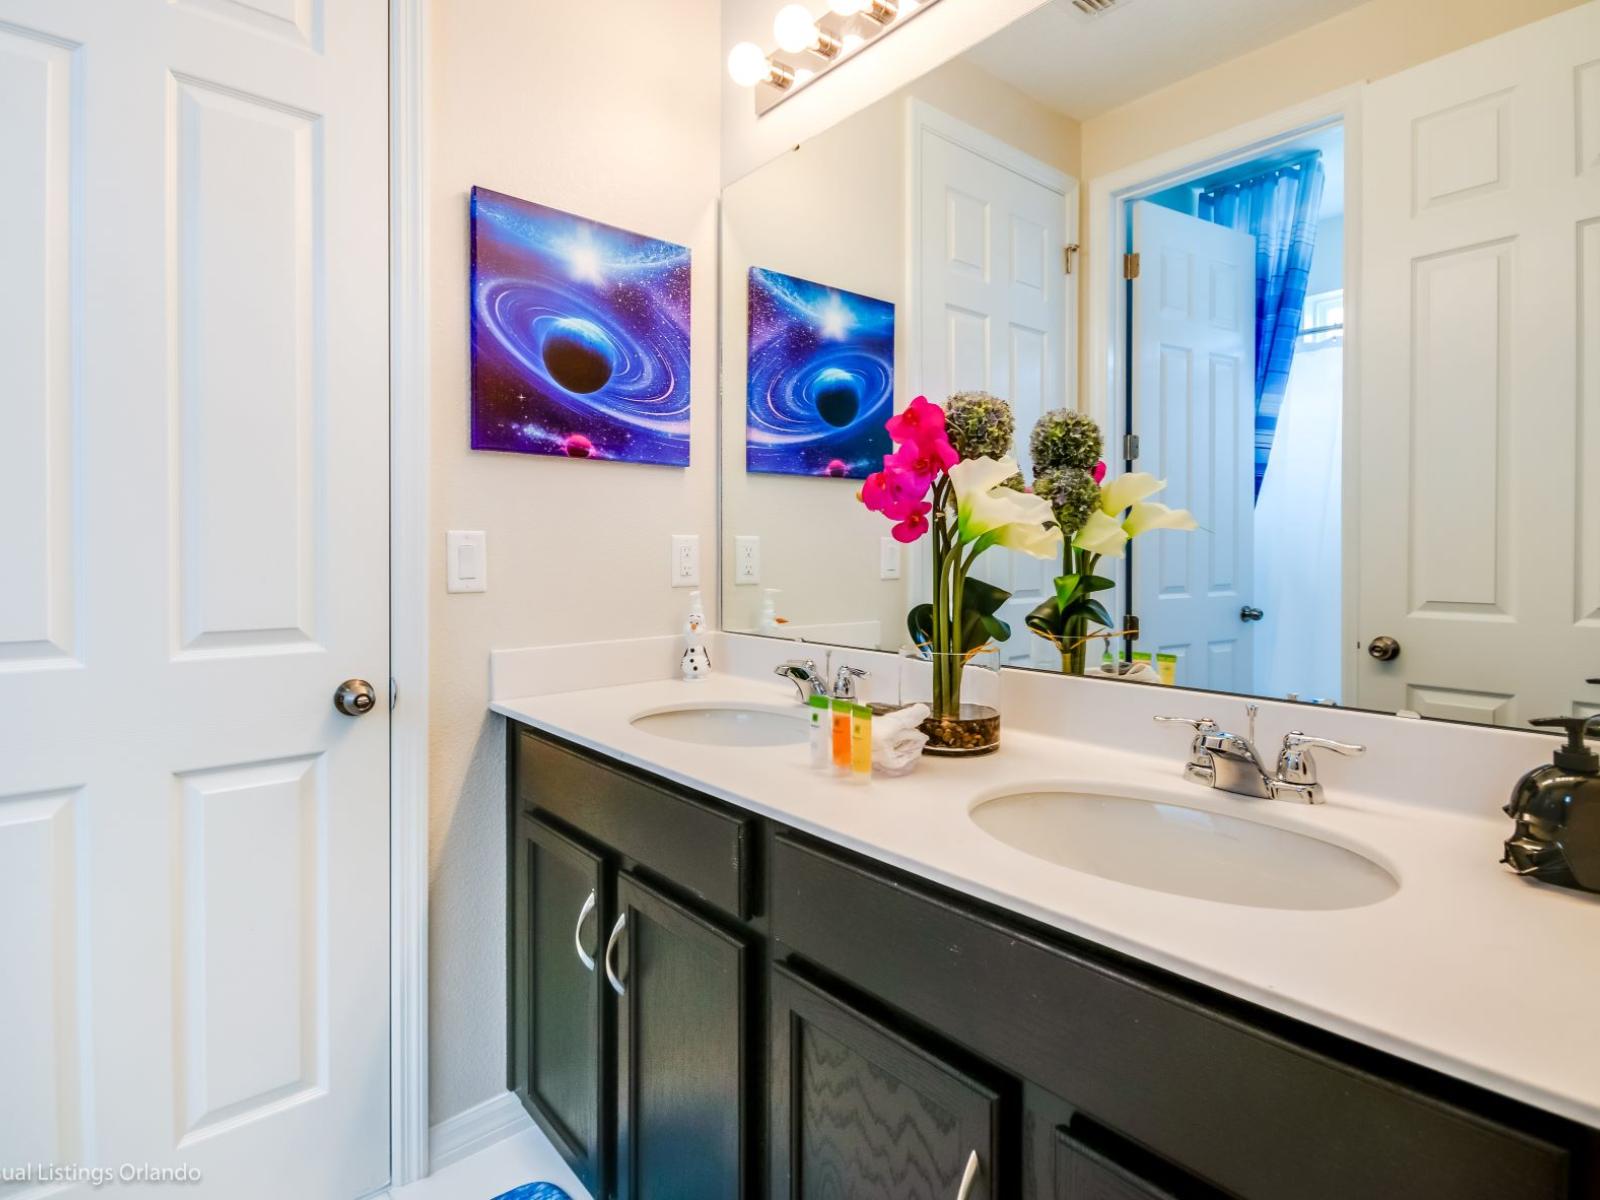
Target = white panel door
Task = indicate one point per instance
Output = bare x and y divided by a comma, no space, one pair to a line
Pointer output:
1480,411
992,312
193,554
1193,380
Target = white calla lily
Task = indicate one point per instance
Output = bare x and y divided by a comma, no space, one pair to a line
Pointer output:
999,515
1126,490
1102,535
1150,515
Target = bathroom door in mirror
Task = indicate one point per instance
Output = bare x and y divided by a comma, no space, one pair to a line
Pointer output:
1480,420
1193,409
992,310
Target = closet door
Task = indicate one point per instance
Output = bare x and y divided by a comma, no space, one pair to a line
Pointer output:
1479,324
558,1050
860,1113
681,986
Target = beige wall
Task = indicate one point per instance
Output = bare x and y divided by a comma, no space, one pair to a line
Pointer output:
833,210
610,110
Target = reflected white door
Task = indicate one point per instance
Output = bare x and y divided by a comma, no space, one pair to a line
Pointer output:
1193,379
1479,318
993,308
193,554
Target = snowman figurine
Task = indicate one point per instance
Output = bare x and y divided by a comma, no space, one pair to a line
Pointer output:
696,660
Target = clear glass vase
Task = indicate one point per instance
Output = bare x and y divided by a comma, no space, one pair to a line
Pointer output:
963,692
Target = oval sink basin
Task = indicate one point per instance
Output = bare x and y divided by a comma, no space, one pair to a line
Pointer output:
1184,851
730,725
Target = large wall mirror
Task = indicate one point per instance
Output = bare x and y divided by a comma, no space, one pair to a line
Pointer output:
1327,271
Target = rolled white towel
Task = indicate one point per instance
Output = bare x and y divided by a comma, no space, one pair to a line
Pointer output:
897,741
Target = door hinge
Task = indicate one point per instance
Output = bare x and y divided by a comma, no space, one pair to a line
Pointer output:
1066,256
1130,628
1130,446
394,693
1130,266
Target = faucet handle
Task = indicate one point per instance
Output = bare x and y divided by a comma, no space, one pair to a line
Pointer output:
844,681
1198,724
1295,764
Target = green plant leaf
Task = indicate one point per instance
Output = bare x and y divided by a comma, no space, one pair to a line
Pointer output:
980,602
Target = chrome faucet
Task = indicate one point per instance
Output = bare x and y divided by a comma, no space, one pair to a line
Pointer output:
1231,762
804,674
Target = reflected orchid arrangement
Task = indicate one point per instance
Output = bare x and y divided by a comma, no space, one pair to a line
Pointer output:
1096,517
951,477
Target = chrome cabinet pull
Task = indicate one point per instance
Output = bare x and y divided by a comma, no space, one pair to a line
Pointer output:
577,932
967,1177
611,945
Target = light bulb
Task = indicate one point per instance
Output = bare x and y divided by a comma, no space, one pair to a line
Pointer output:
747,64
847,8
795,28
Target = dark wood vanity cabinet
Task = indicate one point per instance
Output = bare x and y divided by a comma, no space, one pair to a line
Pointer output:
791,1020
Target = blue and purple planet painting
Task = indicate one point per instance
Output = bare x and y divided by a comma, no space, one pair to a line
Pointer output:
821,379
580,336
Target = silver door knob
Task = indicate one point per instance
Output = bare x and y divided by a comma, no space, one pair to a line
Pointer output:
1250,613
355,698
1384,649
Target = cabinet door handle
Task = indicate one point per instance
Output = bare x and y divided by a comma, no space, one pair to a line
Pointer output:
967,1177
577,932
611,945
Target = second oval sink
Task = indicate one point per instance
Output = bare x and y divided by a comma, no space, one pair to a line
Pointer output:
730,725
1191,852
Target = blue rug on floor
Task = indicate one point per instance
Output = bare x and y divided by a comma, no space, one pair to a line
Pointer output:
535,1191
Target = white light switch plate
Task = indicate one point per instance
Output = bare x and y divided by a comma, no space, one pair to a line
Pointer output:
888,558
466,561
746,559
686,560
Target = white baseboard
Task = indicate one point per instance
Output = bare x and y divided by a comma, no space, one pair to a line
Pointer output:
480,1126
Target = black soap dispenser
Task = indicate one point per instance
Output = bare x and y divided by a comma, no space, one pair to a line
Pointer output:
1557,811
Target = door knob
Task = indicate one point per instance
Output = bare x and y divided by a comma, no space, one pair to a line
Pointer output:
1250,613
355,698
1384,649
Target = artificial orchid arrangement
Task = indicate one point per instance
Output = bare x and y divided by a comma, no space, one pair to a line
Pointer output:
1097,520
952,478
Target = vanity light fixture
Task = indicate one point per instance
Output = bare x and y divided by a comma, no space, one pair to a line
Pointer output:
748,65
810,46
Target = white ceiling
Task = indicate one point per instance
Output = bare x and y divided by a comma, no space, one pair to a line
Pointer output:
1083,65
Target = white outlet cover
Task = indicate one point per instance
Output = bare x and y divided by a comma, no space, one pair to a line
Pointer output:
685,563
466,561
747,559
888,558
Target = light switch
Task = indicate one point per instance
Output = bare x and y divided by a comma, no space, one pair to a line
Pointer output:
685,567
466,561
746,559
888,558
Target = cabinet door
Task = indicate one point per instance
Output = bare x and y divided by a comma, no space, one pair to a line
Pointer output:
681,982
557,1043
860,1113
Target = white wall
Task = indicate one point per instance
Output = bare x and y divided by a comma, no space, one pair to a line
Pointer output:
608,109
937,35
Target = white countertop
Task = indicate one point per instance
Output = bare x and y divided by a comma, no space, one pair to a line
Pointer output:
1466,969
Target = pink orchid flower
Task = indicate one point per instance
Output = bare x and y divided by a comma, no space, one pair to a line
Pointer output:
914,525
1100,471
920,421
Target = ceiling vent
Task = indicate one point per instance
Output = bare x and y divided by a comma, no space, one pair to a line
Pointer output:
1096,7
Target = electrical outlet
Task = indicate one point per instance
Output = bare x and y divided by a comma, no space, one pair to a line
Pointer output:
888,558
686,560
746,559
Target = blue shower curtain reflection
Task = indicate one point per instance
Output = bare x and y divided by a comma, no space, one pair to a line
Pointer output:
1280,210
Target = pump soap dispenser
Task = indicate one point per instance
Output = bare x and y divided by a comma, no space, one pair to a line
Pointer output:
1557,811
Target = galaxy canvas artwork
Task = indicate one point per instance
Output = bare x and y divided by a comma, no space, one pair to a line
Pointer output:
821,379
580,336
